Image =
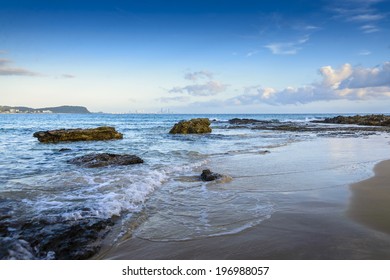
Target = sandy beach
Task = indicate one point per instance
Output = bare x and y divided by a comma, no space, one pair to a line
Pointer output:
324,233
333,223
370,199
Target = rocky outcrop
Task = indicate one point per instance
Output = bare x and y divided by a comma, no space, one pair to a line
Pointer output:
105,159
207,175
371,120
245,121
69,240
90,134
200,125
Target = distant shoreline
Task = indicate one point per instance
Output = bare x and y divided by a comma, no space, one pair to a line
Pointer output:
66,109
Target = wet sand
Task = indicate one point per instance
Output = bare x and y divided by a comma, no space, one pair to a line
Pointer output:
315,227
334,221
370,201
285,236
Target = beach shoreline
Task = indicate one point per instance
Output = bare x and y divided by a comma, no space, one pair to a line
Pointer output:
370,199
312,230
287,196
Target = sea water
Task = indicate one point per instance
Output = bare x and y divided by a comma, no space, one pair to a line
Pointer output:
163,198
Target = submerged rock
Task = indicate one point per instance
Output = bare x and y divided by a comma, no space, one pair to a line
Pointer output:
207,175
371,120
67,240
90,134
105,159
200,125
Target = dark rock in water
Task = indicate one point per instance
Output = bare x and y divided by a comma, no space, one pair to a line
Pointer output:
200,125
105,159
370,120
69,240
64,150
245,121
90,134
207,175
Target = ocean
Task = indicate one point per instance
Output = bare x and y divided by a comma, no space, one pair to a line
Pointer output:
50,209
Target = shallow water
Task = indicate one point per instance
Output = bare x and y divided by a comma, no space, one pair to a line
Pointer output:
163,199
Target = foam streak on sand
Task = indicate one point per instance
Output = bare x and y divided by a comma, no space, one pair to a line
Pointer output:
370,199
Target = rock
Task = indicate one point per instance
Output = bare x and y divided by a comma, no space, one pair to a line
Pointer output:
105,159
90,134
370,120
64,150
245,121
207,175
66,240
200,125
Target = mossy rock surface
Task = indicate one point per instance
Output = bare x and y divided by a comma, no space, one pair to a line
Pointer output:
193,126
90,134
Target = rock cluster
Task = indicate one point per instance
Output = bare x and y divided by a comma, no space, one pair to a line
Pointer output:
245,121
105,159
372,120
91,134
200,125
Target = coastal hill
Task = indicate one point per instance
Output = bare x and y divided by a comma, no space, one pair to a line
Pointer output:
56,110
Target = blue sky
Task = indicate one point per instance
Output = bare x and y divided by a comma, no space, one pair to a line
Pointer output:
210,56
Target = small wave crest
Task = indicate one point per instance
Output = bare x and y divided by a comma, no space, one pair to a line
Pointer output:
202,210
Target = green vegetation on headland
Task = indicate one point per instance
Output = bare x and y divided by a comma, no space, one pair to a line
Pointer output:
47,110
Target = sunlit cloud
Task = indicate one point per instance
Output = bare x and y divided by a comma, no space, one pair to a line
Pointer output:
347,82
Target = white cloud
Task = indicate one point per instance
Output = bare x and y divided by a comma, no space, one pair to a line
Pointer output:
366,17
287,48
368,77
251,53
364,52
206,87
195,76
4,61
347,82
311,27
360,12
369,28
333,77
68,76
174,99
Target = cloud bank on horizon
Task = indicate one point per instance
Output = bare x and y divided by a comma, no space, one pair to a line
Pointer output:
347,82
